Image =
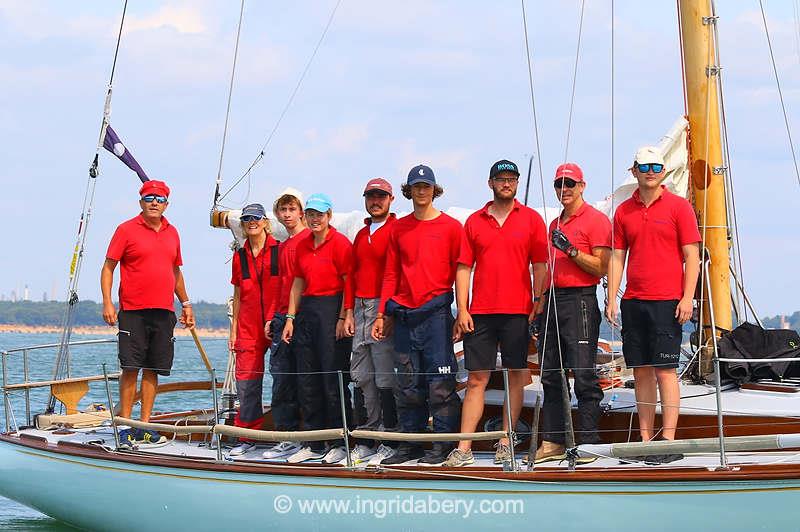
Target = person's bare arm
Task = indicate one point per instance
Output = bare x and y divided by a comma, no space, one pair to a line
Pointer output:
298,285
539,286
691,259
615,267
234,317
187,314
464,324
595,263
106,283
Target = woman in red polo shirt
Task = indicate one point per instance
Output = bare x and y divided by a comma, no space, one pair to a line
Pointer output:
322,336
255,279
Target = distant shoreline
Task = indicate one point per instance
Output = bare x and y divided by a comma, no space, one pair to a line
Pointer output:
100,330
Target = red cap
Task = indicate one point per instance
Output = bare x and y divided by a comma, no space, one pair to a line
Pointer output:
154,187
378,183
569,171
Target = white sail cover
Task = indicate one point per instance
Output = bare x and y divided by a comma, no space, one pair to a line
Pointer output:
672,145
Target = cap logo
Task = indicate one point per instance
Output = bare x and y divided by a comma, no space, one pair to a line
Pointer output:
421,171
505,166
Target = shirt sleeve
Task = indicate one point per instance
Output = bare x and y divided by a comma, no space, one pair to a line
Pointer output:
600,233
538,244
272,288
236,270
466,254
178,256
688,232
620,242
344,265
390,271
116,248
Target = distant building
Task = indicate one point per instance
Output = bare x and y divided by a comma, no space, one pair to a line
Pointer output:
26,294
784,323
14,296
44,296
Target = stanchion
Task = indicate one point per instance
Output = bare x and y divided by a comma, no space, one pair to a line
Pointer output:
111,408
344,419
215,437
508,420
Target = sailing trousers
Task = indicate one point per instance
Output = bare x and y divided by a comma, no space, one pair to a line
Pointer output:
283,368
426,367
372,366
577,333
319,359
249,383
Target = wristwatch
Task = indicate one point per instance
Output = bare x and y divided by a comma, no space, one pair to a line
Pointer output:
572,252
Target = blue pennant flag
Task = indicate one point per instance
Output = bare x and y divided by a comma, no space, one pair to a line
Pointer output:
112,143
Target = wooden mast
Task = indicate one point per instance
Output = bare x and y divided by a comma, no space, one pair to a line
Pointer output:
705,155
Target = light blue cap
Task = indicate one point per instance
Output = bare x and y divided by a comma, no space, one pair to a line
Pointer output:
319,202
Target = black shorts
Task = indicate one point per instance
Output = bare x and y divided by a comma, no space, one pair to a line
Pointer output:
509,332
146,339
651,334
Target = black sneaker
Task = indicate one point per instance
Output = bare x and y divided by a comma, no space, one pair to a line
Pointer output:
405,453
437,455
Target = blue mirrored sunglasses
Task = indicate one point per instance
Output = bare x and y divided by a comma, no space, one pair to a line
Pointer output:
152,197
644,168
250,218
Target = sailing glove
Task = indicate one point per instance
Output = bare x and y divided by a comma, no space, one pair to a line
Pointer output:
561,241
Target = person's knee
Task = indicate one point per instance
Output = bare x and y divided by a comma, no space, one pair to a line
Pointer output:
478,380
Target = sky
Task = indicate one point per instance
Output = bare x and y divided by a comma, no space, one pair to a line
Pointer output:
394,84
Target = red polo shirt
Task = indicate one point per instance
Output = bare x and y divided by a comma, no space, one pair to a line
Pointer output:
653,237
586,229
287,251
147,260
257,295
322,268
369,258
502,257
421,260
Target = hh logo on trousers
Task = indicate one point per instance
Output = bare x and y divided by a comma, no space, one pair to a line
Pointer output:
444,369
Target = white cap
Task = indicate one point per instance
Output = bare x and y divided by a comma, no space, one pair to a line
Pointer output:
289,191
649,155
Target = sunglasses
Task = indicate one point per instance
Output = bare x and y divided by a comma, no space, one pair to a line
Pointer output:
152,197
376,194
507,180
250,218
644,168
565,182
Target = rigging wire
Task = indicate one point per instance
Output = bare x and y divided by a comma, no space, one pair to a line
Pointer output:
796,7
780,91
574,80
613,166
228,109
286,107
61,366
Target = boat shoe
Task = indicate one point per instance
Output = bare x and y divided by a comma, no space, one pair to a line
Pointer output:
150,436
335,455
280,450
459,458
405,454
549,452
242,448
305,454
502,454
383,452
358,454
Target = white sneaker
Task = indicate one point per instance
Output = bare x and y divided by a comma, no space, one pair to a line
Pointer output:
304,454
383,452
335,455
282,449
359,454
242,448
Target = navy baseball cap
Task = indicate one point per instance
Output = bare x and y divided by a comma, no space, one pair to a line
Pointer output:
503,165
421,174
254,209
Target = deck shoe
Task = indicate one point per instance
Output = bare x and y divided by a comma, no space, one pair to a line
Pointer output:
437,455
242,448
405,454
502,454
383,452
305,454
459,458
335,455
549,452
280,450
150,436
359,454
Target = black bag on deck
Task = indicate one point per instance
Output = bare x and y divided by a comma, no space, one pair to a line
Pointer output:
751,341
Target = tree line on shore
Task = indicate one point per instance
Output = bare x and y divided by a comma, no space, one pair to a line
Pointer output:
90,314
208,315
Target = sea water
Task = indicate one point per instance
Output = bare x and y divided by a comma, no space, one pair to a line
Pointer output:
88,360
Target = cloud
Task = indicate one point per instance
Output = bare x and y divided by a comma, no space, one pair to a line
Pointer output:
342,140
183,19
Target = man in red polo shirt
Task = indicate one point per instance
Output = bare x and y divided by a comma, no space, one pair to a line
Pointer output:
657,232
372,362
417,293
504,239
148,250
581,238
288,209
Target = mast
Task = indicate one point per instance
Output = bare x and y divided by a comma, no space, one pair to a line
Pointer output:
706,166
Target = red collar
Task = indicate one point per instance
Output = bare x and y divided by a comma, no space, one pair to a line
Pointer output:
164,222
485,210
368,220
331,231
637,198
579,212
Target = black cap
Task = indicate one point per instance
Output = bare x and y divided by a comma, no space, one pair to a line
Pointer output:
503,166
421,174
